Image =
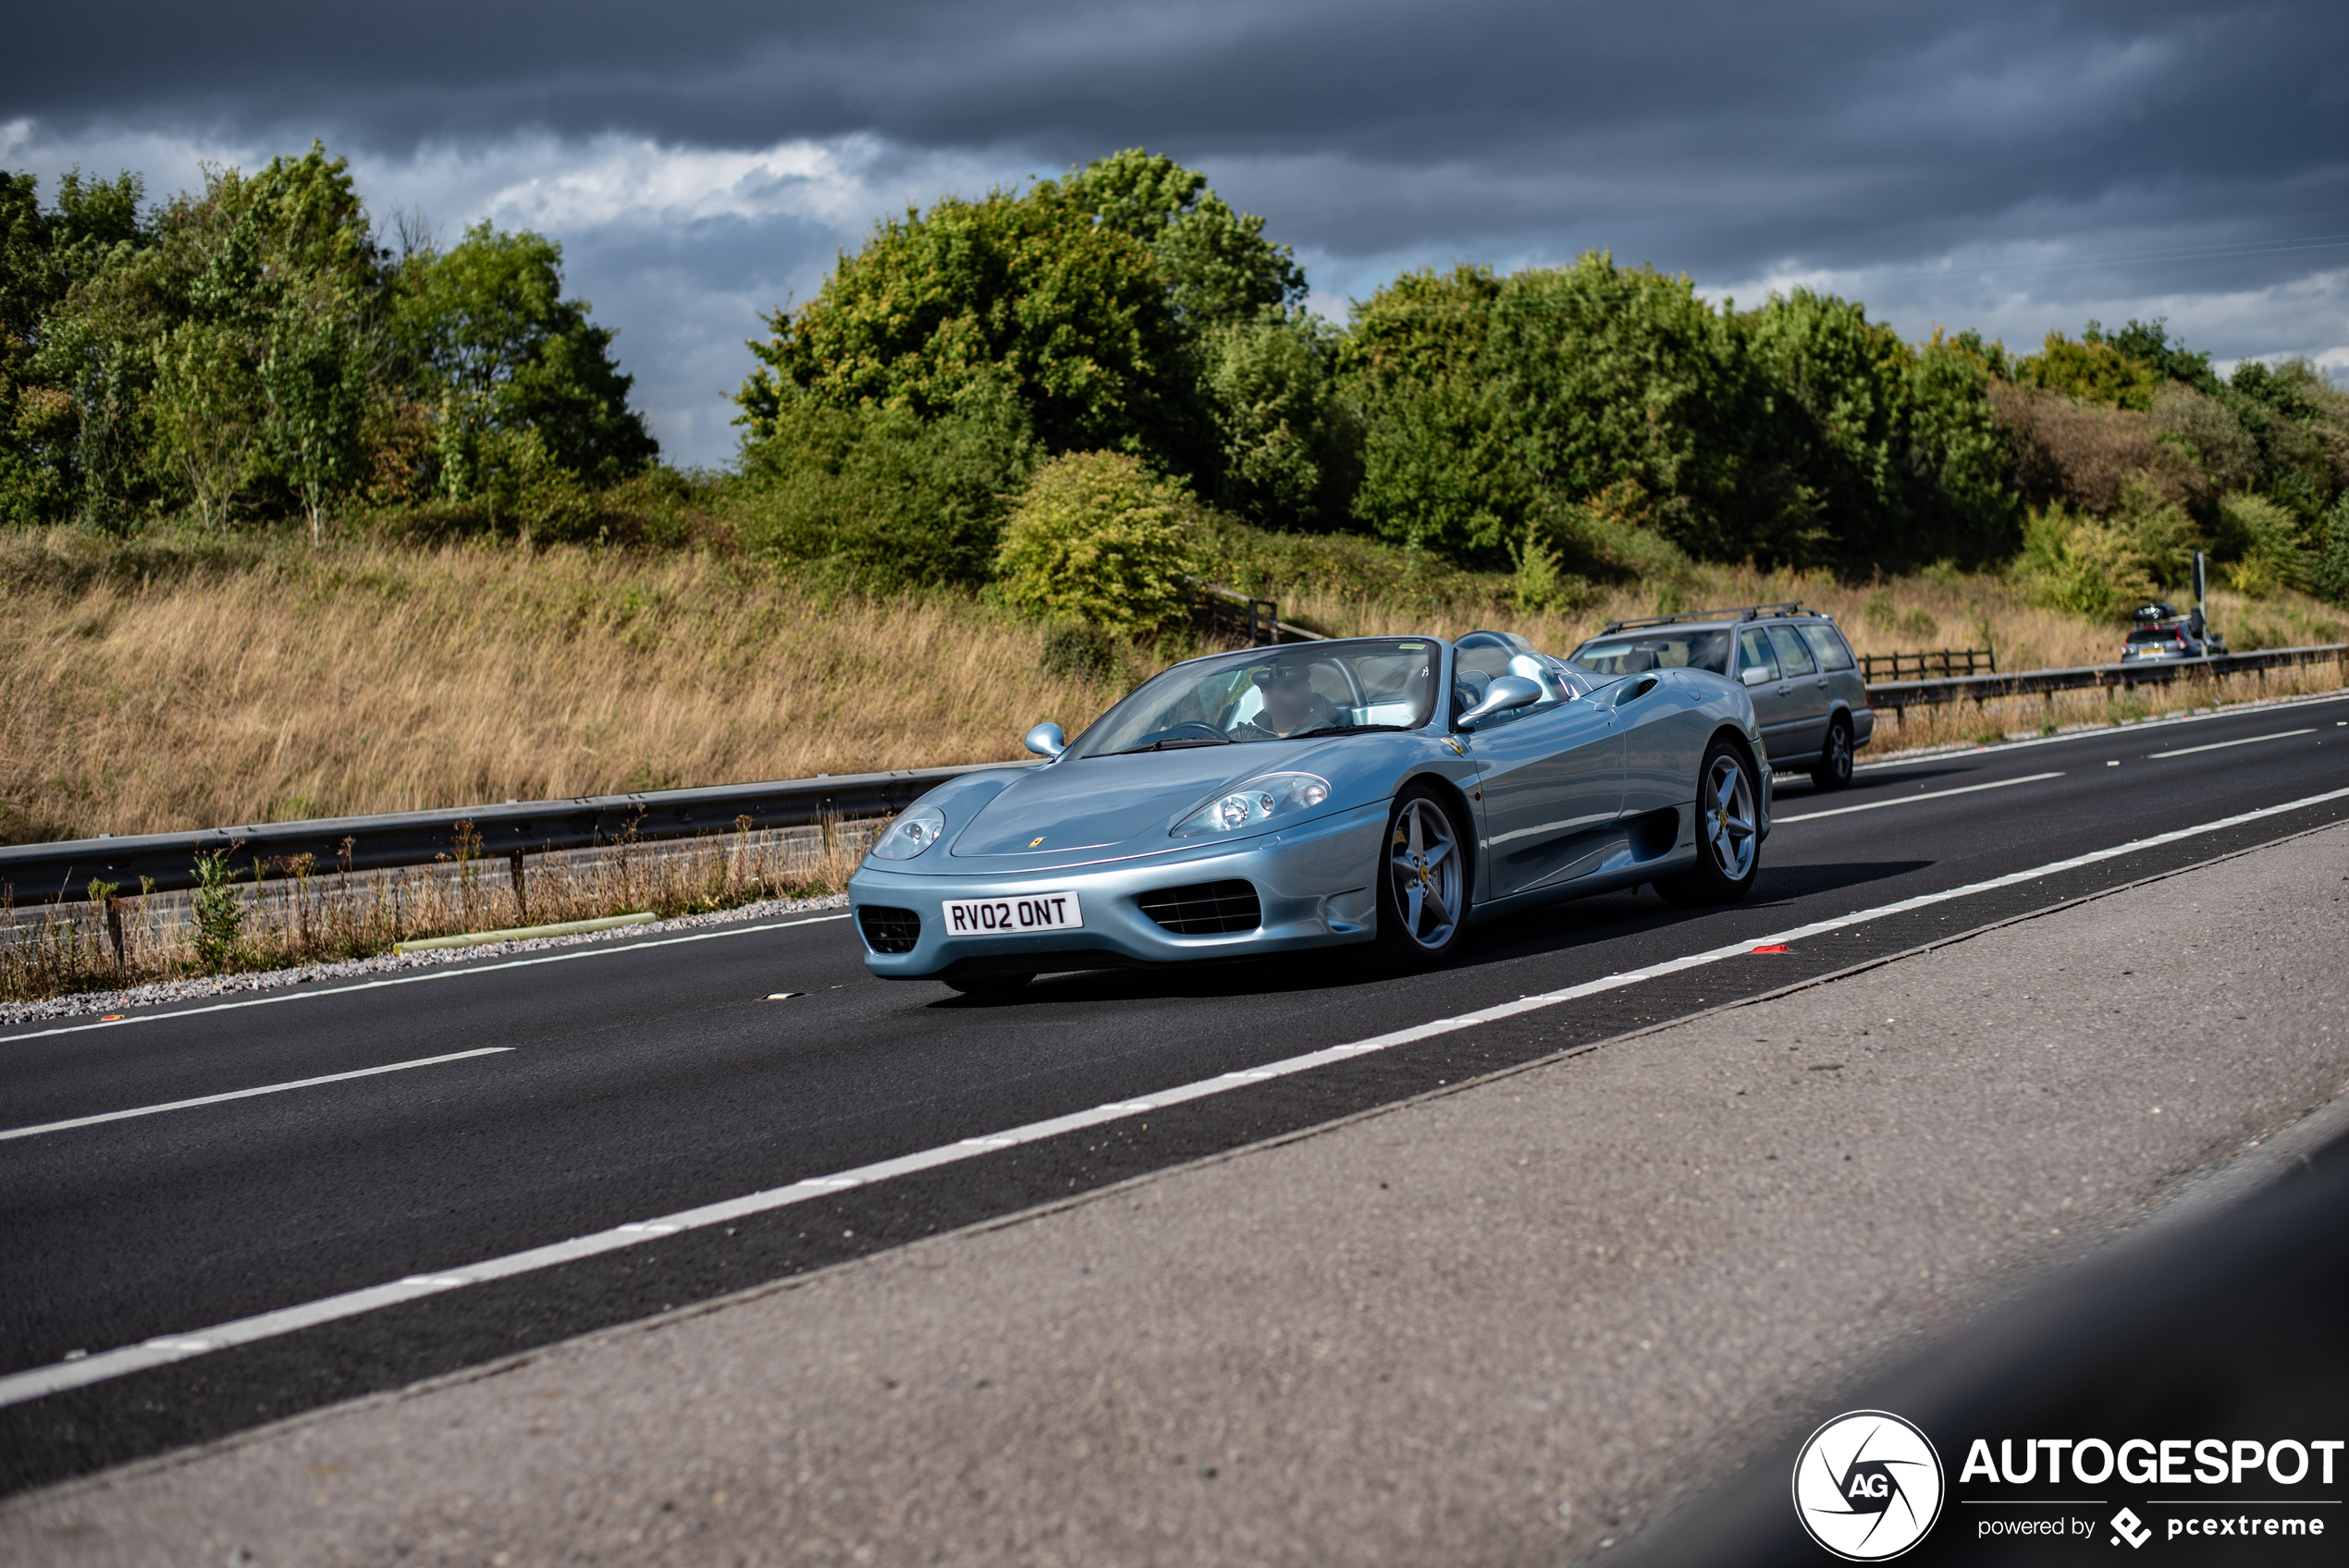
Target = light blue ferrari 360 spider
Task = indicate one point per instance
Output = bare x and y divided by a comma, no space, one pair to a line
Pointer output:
1392,790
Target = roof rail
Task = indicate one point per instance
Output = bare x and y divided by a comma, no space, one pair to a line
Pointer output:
1743,612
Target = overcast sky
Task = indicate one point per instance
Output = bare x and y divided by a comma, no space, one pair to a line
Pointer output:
2009,166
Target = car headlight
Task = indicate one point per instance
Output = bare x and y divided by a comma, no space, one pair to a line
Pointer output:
910,834
1254,803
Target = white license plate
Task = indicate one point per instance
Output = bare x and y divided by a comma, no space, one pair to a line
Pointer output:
1013,918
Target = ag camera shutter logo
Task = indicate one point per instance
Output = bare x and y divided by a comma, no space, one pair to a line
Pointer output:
1867,1486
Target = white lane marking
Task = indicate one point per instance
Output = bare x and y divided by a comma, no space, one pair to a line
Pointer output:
293,995
1905,800
18,1387
244,1094
2222,745
2102,732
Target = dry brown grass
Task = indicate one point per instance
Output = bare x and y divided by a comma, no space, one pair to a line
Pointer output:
1914,614
2009,719
136,698
169,685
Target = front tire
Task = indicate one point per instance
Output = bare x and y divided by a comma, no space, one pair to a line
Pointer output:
1834,771
1728,838
1422,881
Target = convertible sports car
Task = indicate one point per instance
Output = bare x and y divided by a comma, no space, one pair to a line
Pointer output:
1380,790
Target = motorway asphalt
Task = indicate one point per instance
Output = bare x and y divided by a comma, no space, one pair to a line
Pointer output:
1514,1321
645,1080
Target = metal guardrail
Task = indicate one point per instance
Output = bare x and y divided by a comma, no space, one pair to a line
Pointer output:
62,872
1901,694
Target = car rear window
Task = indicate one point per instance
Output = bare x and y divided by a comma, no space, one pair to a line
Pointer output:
1827,643
2158,634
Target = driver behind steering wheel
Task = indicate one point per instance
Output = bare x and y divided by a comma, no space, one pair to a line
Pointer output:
1290,706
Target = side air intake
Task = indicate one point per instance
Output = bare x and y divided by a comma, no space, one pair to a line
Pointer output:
1207,909
889,930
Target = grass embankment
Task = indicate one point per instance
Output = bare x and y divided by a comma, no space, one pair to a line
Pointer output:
181,680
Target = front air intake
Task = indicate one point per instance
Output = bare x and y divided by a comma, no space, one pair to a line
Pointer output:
889,930
1207,909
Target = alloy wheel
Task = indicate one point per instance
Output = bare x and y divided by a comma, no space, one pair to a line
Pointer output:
1727,819
1423,857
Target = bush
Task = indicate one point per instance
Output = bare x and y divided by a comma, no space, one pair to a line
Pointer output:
2079,564
1097,538
881,497
2261,546
1077,652
2078,452
2330,573
220,919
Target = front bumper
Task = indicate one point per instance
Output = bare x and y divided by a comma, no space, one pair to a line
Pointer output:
1314,885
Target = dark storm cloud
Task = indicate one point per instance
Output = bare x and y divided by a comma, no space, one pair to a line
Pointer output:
1921,158
1842,132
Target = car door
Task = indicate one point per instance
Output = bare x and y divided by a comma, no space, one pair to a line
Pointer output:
1551,787
1758,668
1841,672
1806,691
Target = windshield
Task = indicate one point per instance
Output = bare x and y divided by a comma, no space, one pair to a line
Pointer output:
2159,634
1272,694
1661,649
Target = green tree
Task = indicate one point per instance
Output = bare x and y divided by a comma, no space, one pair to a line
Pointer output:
1290,445
2329,572
1217,266
2149,344
208,406
2093,370
1961,492
1028,293
316,386
1847,380
493,340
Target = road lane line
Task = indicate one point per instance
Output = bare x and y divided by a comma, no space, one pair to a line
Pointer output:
244,1094
1961,753
597,949
2222,745
1904,800
37,1381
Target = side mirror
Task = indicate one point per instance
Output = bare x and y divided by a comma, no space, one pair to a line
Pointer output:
1046,740
1756,677
1506,692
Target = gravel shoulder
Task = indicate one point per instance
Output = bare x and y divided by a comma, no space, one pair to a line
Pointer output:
1505,1323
